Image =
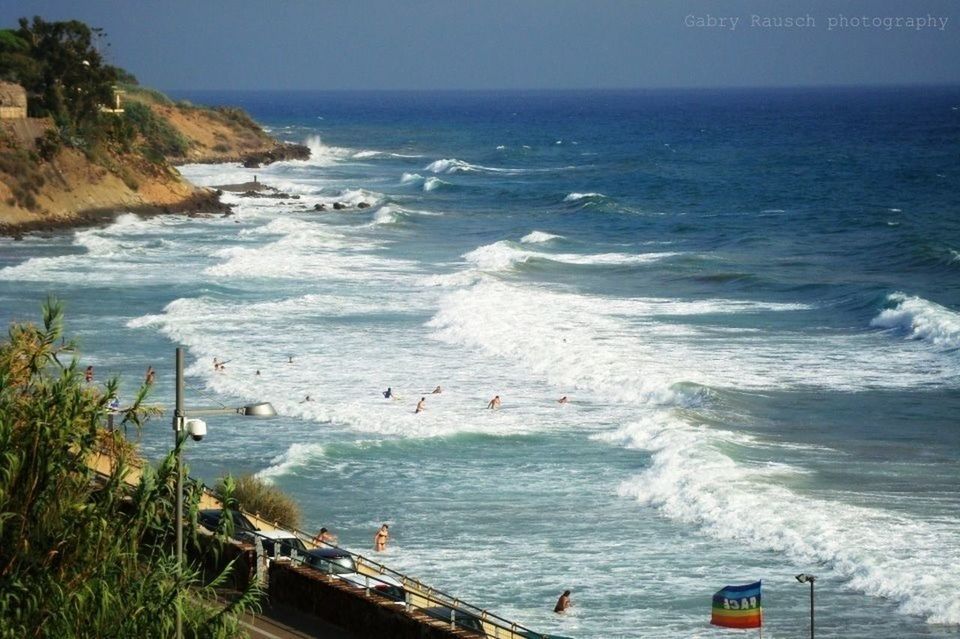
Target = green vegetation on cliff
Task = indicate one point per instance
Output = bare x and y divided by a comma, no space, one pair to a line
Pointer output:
83,555
255,496
76,151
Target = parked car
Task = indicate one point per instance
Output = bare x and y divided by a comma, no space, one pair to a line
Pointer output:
383,585
280,542
243,528
330,560
463,620
341,564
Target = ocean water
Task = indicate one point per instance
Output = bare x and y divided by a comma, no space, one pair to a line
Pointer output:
752,300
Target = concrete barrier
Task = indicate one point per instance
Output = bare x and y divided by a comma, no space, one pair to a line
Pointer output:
315,593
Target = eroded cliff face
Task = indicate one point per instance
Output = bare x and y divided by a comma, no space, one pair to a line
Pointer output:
45,185
68,187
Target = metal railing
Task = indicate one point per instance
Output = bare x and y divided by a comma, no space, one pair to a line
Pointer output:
417,595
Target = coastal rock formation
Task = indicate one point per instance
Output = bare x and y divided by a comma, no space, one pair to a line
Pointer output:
278,153
46,182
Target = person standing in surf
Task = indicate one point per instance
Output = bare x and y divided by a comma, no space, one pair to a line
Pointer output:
381,538
494,403
421,405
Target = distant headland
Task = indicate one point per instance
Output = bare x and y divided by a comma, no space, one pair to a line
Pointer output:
81,141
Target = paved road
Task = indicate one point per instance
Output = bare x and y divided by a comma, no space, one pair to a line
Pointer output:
282,622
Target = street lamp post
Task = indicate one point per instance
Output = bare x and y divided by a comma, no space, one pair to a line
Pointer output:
803,578
262,409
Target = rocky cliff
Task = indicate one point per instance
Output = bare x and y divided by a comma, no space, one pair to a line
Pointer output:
47,181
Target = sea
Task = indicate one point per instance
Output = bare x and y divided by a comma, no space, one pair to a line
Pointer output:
749,298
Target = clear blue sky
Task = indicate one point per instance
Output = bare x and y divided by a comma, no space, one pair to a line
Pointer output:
510,44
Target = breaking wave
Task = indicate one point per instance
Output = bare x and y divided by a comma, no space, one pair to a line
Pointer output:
920,319
539,237
504,255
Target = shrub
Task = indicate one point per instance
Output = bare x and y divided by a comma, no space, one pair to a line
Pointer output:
264,500
236,117
48,145
82,555
159,137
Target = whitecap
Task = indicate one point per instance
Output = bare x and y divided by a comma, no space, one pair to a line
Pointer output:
921,319
434,183
539,237
297,456
690,480
576,197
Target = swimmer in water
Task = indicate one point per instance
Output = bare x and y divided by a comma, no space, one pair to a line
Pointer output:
421,405
381,538
494,403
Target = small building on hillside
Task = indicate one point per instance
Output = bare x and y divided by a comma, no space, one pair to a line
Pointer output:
117,106
13,101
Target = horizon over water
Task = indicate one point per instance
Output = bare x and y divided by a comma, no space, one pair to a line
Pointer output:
751,298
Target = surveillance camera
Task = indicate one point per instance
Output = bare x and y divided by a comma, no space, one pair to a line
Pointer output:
196,428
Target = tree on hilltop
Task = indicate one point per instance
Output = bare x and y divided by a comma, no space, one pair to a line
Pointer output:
61,69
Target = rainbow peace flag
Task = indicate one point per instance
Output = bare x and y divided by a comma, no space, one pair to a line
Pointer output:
738,607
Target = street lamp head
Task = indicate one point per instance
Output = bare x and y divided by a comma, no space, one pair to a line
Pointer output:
803,578
261,409
196,428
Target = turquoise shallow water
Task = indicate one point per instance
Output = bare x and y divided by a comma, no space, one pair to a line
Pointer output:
750,298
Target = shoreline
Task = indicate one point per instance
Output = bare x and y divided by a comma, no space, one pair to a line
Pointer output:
199,201
202,202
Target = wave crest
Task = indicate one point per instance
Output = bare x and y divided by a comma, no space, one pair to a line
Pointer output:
434,183
922,320
577,197
539,237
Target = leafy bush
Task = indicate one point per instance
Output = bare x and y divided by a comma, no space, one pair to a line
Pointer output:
159,137
264,500
49,144
85,555
236,117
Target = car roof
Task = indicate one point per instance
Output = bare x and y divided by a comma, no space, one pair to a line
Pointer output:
276,534
334,553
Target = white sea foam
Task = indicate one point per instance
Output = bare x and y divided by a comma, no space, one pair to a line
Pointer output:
433,183
881,553
306,250
323,155
369,153
954,257
407,178
635,350
388,215
453,165
504,255
118,253
921,319
576,197
539,237
297,456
